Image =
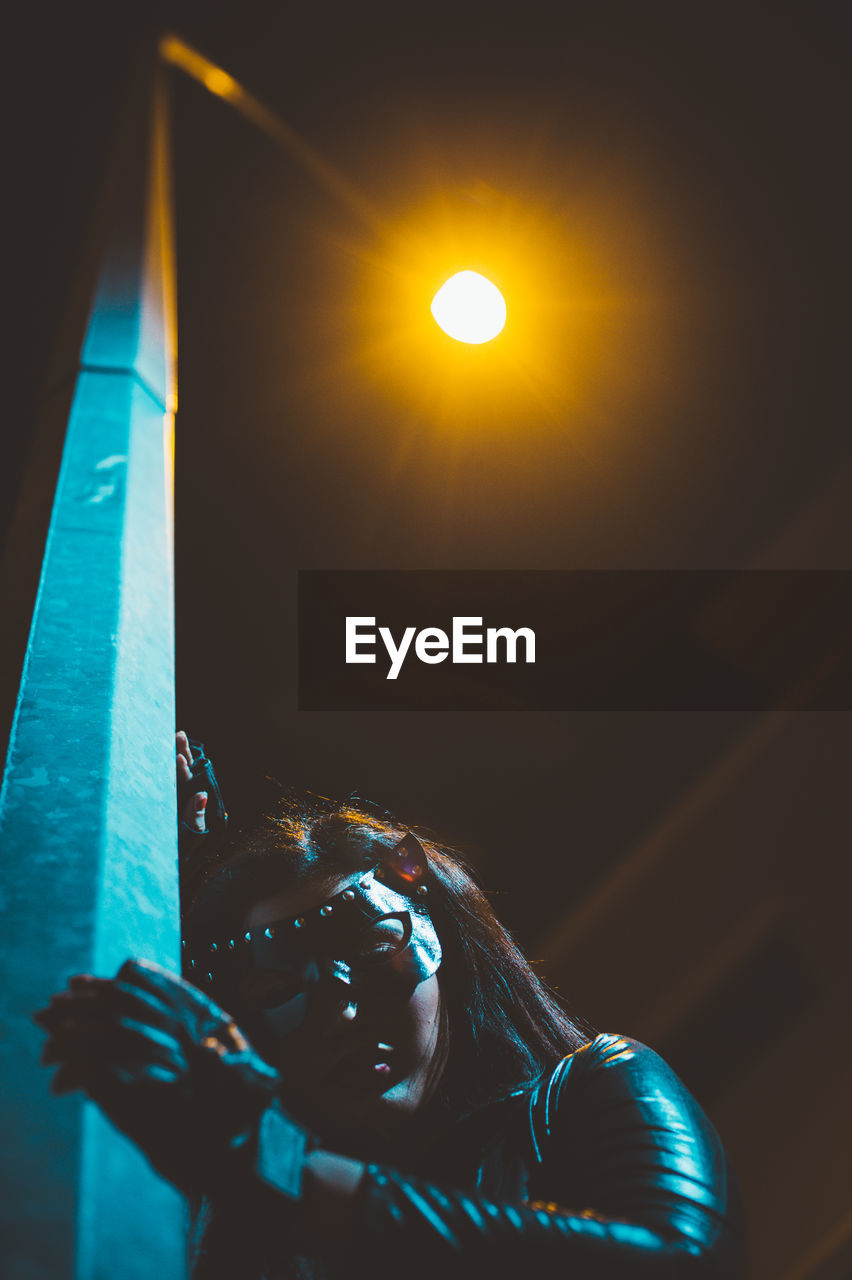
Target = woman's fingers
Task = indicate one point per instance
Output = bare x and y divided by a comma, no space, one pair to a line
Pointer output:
93,1004
74,1043
107,1032
184,756
78,1049
147,1005
87,1012
73,1006
132,1050
166,987
194,812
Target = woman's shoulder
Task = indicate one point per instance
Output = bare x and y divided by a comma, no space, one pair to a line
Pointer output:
620,1111
613,1125
605,1049
613,1071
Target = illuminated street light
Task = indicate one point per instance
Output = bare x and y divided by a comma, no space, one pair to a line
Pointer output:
469,308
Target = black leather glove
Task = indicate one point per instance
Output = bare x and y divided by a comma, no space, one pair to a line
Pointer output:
174,1072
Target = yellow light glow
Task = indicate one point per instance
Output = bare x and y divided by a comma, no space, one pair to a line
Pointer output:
583,363
193,63
220,83
469,308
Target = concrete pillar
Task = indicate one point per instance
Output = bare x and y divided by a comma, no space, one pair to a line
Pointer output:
88,874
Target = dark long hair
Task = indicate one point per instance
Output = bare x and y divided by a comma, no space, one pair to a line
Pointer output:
500,1024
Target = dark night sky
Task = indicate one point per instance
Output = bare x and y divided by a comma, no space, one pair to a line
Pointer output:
698,149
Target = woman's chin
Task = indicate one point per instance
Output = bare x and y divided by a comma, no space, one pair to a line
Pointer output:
364,1112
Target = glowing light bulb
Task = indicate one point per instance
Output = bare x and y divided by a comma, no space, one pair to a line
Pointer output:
469,308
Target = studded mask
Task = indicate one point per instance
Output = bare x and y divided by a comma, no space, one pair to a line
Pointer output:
375,933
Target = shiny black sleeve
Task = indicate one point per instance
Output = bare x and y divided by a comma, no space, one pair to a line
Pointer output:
631,1184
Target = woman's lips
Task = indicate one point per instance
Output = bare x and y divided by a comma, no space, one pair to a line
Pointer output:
382,1066
373,1061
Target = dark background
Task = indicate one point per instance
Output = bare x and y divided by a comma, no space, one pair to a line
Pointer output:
681,875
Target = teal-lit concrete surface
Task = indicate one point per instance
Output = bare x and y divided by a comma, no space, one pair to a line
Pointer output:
87,810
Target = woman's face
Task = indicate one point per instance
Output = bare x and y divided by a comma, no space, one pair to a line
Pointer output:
363,1059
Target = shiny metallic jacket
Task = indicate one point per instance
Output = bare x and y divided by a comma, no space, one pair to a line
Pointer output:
604,1169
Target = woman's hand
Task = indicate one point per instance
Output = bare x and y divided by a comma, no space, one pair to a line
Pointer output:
202,819
167,1065
193,812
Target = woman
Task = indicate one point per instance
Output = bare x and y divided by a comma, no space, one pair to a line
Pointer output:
392,1087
